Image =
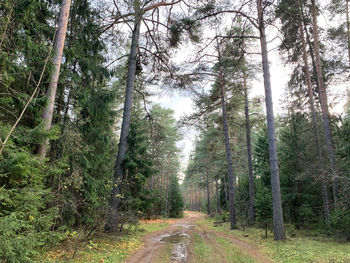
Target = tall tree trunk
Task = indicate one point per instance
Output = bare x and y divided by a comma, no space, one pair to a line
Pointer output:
347,27
249,152
218,205
57,60
167,195
278,226
226,191
208,194
112,217
314,122
231,176
324,104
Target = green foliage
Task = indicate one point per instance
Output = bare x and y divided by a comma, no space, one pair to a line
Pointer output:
343,144
300,193
69,189
175,198
261,153
26,218
340,223
162,134
242,199
138,167
182,26
263,205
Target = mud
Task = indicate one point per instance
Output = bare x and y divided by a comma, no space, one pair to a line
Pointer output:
180,241
178,234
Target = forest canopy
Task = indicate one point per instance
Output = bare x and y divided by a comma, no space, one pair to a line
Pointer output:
86,144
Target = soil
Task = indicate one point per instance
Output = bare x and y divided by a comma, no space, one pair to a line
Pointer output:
178,234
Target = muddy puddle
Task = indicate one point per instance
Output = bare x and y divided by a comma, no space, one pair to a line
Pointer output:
187,226
180,242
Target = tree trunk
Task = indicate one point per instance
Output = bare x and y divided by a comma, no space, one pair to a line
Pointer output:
208,195
231,176
218,206
167,195
57,60
226,190
112,217
314,122
249,152
278,226
324,104
347,27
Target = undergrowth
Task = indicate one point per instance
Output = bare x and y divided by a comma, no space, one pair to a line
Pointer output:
300,246
102,248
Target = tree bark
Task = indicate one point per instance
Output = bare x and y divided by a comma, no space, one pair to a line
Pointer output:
249,152
347,27
208,194
314,121
231,176
218,205
115,199
278,226
57,60
324,104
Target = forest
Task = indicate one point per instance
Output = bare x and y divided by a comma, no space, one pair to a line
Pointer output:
89,155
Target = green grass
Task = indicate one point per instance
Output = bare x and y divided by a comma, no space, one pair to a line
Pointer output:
164,255
233,254
302,247
102,248
201,252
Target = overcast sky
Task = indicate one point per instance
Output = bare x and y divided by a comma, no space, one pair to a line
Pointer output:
280,73
182,104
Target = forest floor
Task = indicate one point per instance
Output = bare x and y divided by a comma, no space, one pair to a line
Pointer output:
194,239
191,239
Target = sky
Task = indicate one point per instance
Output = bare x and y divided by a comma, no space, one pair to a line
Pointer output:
182,104
280,73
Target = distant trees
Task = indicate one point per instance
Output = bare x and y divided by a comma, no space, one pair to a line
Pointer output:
70,90
241,11
313,71
175,198
139,8
163,135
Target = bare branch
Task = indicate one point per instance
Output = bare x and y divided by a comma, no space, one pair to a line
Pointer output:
144,103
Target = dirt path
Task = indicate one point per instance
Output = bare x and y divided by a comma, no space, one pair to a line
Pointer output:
152,242
250,249
220,255
182,229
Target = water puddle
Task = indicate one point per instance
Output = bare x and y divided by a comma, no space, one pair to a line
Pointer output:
180,242
186,226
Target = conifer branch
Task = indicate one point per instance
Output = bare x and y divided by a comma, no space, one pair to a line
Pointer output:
28,102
